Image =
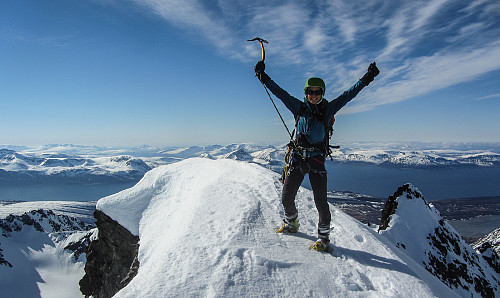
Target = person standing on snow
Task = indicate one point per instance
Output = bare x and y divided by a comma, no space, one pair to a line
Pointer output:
309,147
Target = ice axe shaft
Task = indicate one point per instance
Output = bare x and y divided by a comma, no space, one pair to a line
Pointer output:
262,41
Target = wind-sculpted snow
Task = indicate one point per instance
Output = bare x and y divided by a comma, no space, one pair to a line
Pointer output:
206,228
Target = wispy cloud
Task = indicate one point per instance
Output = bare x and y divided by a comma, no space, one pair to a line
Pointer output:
46,41
429,73
420,46
194,16
492,96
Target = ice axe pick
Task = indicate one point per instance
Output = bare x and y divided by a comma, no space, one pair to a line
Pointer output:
262,41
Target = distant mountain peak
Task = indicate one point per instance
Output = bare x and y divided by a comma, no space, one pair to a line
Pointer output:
42,250
239,154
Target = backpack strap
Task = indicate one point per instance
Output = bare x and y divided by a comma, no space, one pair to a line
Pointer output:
320,114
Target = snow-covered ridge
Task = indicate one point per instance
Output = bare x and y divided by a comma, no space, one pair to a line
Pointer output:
420,159
43,221
206,228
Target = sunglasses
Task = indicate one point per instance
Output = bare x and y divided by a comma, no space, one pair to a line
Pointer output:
314,92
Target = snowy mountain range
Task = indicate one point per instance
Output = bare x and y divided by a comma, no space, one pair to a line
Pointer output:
46,168
91,164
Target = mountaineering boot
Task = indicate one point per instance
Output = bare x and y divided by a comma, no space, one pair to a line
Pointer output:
321,244
292,227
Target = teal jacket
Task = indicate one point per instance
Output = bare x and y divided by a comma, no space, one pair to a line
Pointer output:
309,125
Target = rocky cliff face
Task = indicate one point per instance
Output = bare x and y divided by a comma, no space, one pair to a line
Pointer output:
416,227
112,259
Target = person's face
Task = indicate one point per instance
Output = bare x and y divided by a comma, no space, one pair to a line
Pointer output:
314,94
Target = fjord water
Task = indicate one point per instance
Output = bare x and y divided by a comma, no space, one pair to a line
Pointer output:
435,184
371,180
61,192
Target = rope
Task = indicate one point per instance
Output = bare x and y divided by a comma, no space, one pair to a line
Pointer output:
279,114
291,143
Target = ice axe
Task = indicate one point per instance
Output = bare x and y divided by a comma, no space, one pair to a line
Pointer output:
262,41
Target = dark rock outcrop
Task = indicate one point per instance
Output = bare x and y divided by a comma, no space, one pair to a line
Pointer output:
490,255
391,204
80,246
112,260
3,261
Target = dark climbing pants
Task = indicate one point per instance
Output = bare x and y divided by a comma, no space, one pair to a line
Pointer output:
315,166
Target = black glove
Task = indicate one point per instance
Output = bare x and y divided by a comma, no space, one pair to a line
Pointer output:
370,74
259,71
259,68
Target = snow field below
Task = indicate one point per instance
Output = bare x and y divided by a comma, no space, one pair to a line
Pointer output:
41,267
52,264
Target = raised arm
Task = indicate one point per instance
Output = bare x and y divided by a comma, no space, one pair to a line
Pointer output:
335,105
292,103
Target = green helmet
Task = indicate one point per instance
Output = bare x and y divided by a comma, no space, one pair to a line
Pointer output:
315,82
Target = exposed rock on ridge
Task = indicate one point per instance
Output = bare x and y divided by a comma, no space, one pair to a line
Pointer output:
112,259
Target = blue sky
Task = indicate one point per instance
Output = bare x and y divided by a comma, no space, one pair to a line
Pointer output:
123,72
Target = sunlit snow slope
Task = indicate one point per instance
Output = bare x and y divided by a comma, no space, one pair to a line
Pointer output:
206,228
